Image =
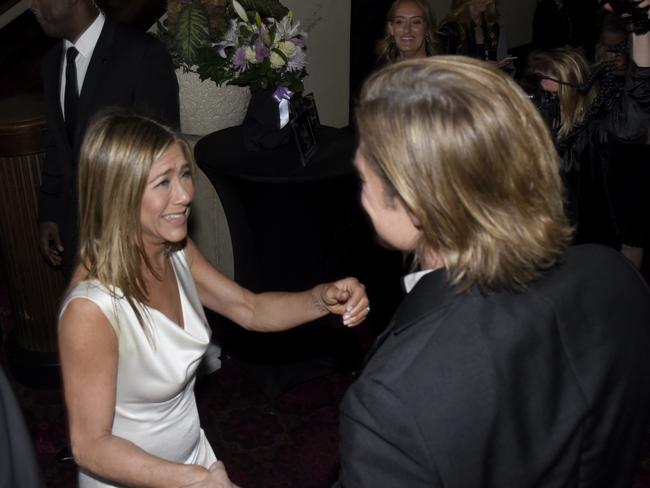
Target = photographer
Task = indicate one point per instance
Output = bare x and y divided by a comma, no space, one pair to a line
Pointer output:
594,113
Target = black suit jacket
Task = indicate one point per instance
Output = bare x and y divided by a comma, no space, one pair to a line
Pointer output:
128,69
548,387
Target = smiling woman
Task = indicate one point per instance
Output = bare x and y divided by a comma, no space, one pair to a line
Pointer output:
410,32
132,329
166,199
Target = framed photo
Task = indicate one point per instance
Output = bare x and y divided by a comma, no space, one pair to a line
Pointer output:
305,126
309,103
304,137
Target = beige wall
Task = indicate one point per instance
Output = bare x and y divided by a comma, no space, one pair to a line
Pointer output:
328,55
516,16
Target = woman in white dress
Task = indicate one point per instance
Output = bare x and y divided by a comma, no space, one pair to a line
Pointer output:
132,329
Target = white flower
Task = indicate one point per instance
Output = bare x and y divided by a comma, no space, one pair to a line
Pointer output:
229,38
288,48
251,57
298,61
286,29
277,61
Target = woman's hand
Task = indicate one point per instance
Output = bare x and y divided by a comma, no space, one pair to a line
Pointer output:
216,478
346,297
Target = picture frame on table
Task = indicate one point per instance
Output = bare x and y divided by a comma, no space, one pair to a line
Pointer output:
305,126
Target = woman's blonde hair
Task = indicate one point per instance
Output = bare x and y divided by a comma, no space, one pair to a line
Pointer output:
459,14
117,154
465,150
568,65
387,51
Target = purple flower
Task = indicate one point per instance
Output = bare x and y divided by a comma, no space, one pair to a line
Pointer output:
298,41
239,58
261,51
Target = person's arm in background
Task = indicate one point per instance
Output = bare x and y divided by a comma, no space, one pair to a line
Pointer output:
629,119
51,191
641,43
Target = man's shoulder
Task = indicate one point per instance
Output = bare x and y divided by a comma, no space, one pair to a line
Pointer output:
126,35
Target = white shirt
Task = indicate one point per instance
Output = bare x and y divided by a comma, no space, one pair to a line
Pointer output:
410,280
85,45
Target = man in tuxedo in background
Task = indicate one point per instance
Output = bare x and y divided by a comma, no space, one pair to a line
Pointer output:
97,64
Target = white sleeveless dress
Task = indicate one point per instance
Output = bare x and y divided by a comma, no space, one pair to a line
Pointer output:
155,406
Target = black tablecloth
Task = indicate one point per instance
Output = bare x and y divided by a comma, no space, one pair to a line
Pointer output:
293,227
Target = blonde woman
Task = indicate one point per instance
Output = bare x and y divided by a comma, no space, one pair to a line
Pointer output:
410,32
509,363
594,115
132,329
471,28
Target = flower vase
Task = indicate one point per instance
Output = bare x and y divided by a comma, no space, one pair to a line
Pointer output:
261,126
206,107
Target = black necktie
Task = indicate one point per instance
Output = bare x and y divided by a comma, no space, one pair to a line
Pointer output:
71,99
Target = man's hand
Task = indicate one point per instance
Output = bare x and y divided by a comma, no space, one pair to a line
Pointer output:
216,478
50,242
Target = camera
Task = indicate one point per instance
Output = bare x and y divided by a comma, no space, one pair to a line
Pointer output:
636,19
546,103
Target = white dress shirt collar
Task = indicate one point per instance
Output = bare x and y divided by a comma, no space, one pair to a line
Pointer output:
87,41
410,280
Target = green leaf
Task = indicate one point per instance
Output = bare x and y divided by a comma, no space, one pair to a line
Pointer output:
241,12
192,32
266,8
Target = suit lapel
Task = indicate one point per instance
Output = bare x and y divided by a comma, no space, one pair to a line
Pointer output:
52,89
430,295
97,68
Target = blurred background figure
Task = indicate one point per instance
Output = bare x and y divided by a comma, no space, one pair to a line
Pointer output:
558,23
630,171
97,63
596,110
410,32
471,28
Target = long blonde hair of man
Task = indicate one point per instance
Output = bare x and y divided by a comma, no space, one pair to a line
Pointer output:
466,151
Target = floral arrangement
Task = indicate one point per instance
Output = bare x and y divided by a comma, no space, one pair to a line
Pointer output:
255,43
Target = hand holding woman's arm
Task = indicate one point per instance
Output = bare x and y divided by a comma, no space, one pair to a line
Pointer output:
88,348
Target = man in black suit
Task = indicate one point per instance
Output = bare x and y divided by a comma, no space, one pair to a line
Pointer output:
97,64
514,361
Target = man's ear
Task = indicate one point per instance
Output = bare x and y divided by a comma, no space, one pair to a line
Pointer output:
414,220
